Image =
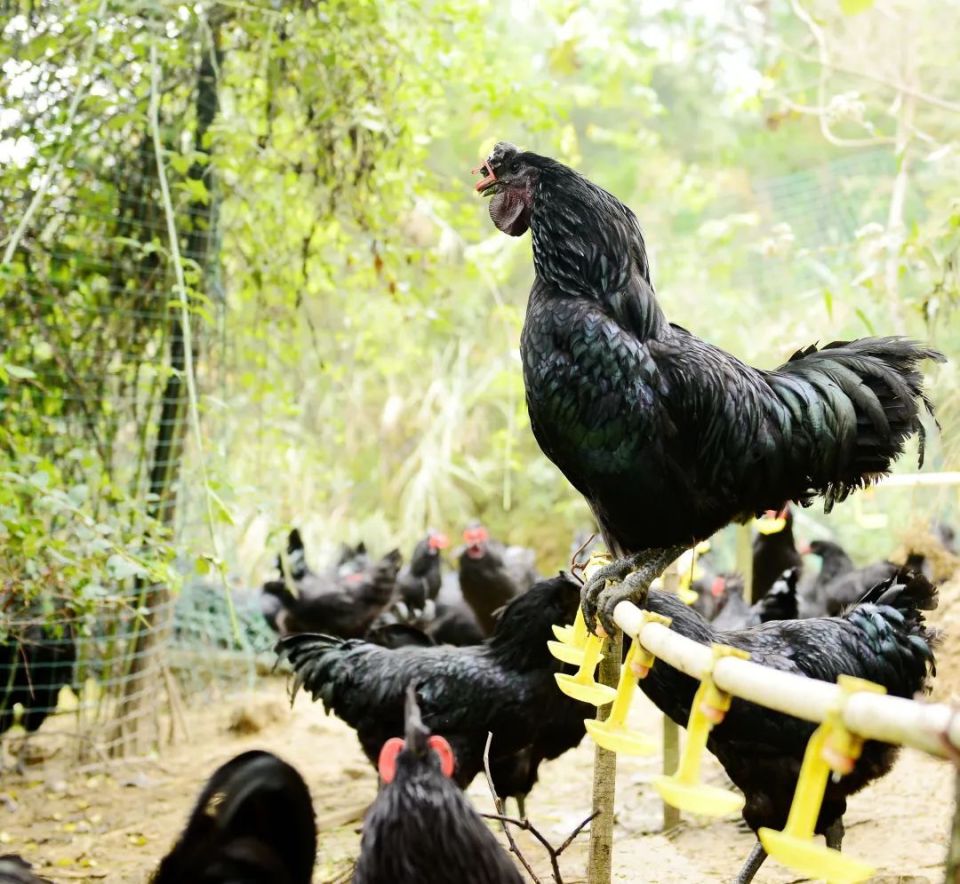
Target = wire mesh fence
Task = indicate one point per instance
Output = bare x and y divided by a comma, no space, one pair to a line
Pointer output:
97,621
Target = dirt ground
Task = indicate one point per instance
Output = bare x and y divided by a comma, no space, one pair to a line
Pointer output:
114,823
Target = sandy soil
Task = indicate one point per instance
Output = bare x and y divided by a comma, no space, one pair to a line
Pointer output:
113,823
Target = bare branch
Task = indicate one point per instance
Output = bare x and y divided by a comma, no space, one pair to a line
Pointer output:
499,806
527,826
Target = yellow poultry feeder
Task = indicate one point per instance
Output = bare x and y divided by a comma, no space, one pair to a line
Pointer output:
684,789
566,653
613,733
583,686
831,748
571,641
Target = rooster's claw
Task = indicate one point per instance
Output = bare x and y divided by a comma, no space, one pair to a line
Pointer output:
595,591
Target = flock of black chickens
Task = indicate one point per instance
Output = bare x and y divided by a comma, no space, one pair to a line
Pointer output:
668,439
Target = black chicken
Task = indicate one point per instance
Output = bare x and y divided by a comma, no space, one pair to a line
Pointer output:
491,574
419,582
455,624
883,639
414,603
667,437
344,603
253,824
847,588
505,686
773,553
421,827
780,603
16,870
834,562
349,561
36,661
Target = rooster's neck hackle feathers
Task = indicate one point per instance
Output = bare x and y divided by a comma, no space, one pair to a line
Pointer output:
587,244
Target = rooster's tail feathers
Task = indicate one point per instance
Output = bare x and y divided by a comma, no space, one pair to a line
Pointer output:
866,397
314,659
897,604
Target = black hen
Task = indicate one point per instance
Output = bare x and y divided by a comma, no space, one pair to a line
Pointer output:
668,437
253,824
343,605
773,553
36,661
421,827
491,574
883,639
834,563
505,686
780,603
293,564
847,588
419,581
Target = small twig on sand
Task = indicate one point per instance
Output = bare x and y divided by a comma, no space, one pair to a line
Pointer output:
498,804
527,826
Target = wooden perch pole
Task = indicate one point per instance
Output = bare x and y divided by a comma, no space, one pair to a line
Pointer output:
600,862
670,730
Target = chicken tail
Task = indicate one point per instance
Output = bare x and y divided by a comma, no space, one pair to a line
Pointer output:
315,660
890,615
861,400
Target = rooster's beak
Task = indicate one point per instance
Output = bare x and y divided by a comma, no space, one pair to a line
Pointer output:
487,180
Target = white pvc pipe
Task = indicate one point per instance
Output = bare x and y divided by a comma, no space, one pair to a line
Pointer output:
923,726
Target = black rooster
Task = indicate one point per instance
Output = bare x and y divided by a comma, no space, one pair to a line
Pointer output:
421,827
35,663
253,824
667,437
883,639
773,553
505,686
491,574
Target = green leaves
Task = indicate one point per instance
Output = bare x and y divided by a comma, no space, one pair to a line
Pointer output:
855,7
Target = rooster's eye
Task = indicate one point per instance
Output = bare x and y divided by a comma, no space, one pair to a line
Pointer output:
515,166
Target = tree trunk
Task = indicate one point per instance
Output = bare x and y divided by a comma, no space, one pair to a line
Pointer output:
145,664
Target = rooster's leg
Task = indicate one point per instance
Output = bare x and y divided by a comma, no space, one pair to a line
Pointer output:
633,574
834,833
752,865
521,806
